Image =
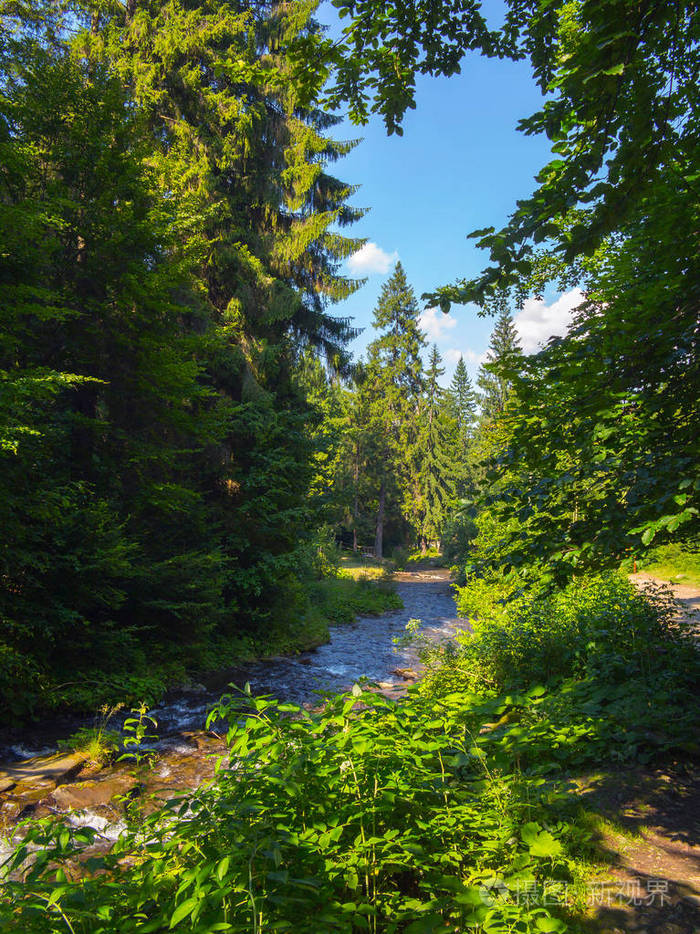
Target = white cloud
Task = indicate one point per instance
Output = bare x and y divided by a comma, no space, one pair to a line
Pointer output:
372,258
435,323
452,356
536,322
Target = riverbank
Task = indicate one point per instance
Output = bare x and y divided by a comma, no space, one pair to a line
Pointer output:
363,646
538,777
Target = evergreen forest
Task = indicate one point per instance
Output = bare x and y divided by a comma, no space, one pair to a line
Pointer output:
197,472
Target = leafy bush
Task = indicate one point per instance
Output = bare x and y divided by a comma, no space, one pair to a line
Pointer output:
677,562
371,816
484,597
417,556
399,555
600,623
457,538
357,566
431,815
324,554
598,669
342,599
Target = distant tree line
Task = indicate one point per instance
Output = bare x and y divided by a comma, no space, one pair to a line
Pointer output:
401,462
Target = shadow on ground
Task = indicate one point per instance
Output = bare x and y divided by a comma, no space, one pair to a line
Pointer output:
654,856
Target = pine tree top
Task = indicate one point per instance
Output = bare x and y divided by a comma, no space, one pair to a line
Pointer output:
397,307
463,396
494,383
504,338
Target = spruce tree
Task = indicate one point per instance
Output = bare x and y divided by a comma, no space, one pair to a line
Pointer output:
462,403
502,357
462,398
394,385
246,163
106,540
170,249
437,468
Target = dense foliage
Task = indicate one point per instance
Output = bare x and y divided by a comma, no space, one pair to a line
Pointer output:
170,249
178,415
419,816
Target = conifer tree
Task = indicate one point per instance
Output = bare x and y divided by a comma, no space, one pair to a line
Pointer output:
502,358
462,403
437,468
246,164
107,402
394,385
462,399
170,249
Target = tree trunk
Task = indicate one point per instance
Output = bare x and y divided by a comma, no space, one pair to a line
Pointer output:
355,506
379,538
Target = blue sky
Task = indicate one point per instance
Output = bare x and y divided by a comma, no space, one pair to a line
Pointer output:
459,166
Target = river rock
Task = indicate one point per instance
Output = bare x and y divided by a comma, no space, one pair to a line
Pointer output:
23,798
9,812
81,795
204,742
59,767
408,674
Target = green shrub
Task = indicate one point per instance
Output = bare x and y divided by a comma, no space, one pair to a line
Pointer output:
675,562
601,623
371,816
417,556
598,670
399,555
484,597
341,599
458,537
433,814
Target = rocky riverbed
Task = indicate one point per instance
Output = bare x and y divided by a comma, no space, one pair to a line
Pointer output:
42,782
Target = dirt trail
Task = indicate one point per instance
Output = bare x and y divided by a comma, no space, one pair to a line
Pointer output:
655,856
652,845
688,597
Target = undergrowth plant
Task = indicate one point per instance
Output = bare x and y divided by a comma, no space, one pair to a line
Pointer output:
617,666
453,810
136,732
370,816
98,743
679,563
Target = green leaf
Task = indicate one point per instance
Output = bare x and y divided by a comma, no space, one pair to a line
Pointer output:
550,925
529,832
183,911
545,845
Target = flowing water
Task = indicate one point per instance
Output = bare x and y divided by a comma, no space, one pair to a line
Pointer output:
366,648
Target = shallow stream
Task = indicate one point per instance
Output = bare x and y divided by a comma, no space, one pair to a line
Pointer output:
365,648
